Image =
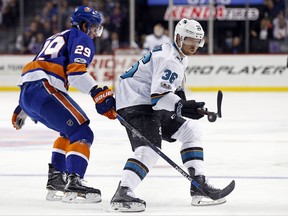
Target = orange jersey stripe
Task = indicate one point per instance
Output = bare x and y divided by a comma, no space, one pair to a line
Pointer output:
75,68
46,66
79,147
60,97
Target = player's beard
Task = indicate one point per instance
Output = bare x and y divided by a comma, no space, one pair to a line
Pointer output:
189,51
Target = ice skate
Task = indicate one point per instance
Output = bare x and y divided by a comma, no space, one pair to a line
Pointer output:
198,199
55,184
124,201
77,192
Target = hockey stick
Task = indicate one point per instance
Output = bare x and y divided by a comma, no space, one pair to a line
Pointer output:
213,195
212,116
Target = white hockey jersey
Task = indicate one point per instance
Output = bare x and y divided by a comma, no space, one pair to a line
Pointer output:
152,78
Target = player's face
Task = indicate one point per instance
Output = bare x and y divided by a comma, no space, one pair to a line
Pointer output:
190,45
95,31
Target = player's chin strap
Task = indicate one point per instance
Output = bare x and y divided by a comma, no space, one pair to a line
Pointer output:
179,48
212,195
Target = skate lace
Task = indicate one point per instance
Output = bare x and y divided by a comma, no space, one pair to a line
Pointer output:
64,176
130,193
209,185
83,182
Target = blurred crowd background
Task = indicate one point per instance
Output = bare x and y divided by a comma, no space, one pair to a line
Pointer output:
25,24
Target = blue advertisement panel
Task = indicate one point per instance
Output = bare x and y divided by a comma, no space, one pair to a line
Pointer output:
205,2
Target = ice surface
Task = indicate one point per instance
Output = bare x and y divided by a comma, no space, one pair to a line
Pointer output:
249,144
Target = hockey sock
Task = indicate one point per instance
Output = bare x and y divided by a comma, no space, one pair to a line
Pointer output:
59,153
137,167
77,158
190,135
193,157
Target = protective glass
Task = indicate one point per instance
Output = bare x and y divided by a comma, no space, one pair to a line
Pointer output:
97,30
191,41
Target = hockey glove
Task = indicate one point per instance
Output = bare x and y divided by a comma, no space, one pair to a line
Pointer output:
18,118
189,109
105,102
180,92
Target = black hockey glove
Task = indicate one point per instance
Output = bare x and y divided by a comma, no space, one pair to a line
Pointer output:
180,92
189,109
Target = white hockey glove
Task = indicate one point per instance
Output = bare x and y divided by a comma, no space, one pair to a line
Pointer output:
18,118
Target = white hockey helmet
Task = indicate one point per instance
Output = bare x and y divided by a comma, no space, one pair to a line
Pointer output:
189,28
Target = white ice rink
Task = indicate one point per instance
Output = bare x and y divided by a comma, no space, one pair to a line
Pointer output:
249,144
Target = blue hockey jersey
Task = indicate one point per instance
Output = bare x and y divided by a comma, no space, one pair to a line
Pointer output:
63,61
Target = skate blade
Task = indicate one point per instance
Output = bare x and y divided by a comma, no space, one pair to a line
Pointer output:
73,197
127,207
205,201
54,195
